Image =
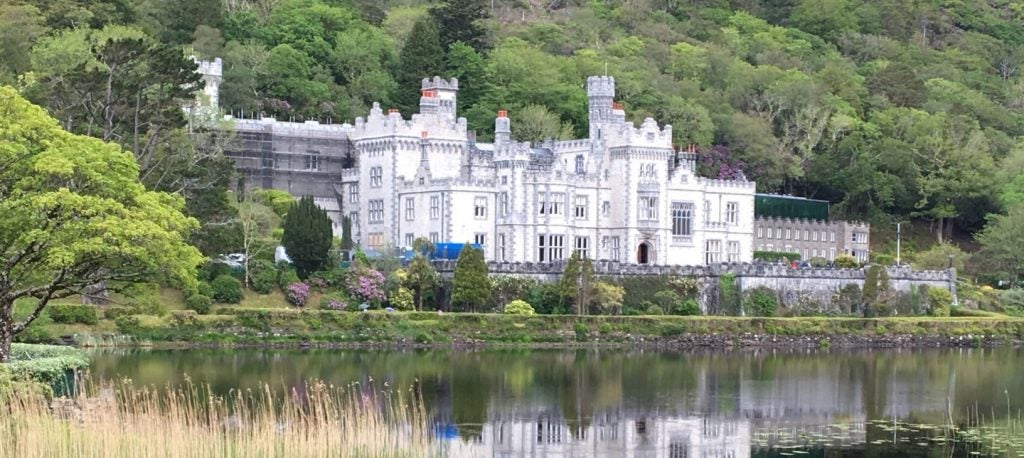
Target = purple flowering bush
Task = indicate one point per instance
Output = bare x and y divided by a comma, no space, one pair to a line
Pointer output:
367,285
297,294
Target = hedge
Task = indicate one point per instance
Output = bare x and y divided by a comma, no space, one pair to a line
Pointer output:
774,256
72,313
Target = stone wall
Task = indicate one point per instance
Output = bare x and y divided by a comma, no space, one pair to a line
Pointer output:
811,290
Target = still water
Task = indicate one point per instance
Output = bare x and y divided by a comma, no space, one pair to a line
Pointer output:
832,403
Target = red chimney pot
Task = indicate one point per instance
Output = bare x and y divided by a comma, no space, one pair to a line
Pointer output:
502,113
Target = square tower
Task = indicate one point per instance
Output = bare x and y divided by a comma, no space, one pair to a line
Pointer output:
439,96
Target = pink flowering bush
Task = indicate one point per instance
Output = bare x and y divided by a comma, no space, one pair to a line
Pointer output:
297,294
367,285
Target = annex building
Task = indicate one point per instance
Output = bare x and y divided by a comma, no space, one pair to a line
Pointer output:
623,194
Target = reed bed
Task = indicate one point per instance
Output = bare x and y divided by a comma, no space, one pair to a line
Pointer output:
312,420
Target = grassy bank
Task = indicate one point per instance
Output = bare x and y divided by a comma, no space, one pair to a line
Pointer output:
267,326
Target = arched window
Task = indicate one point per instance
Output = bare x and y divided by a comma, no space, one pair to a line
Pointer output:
580,169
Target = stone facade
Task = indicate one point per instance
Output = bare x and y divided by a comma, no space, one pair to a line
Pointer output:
812,238
623,194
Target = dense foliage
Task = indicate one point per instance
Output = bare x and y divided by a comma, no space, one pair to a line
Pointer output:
307,236
471,287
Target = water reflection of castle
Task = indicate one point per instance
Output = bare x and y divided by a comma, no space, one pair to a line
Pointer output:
551,436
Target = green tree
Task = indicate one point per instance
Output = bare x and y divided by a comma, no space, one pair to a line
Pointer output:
577,282
307,237
20,27
471,287
76,217
470,68
420,275
1002,244
421,57
535,123
462,20
256,222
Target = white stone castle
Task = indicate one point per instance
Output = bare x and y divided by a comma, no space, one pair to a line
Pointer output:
623,194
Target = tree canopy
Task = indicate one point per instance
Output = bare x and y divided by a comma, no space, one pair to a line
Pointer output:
74,215
308,236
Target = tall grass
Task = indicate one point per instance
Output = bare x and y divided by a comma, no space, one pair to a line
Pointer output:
121,420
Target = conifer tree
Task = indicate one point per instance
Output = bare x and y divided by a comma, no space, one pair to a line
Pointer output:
307,236
471,287
421,57
577,282
346,236
460,20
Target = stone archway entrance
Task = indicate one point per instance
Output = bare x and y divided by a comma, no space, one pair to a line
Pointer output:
644,254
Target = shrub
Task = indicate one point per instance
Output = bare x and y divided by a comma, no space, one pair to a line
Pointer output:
845,261
518,307
199,303
689,307
776,256
545,299
113,313
606,298
937,257
286,276
685,287
667,300
402,299
297,293
604,328
262,276
939,301
366,285
728,295
818,262
212,270
848,299
506,288
227,289
204,288
654,309
581,331
1012,301
760,301
72,314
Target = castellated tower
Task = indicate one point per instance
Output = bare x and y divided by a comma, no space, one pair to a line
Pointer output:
439,96
600,94
502,128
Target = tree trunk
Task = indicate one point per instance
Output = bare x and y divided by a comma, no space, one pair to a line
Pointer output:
6,325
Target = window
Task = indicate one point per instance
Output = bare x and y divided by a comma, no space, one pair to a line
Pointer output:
376,177
550,247
435,207
313,160
814,235
557,244
582,245
732,213
408,239
410,208
788,235
480,239
581,207
712,251
542,203
376,211
606,208
353,193
501,247
860,237
823,237
770,247
648,171
434,237
760,232
375,239
807,235
832,237
770,230
504,204
613,248
814,253
831,254
580,165
648,208
682,219
796,234
480,207
504,179
733,249
556,203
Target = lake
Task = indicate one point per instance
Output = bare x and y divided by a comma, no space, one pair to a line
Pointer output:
597,402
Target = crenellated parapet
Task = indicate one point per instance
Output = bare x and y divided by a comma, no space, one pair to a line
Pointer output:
711,183
307,129
440,83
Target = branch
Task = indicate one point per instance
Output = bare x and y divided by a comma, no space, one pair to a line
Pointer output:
41,303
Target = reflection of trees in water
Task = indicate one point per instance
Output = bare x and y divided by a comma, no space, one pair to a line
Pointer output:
469,388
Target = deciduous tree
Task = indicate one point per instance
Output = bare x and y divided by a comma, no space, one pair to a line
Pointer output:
74,215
